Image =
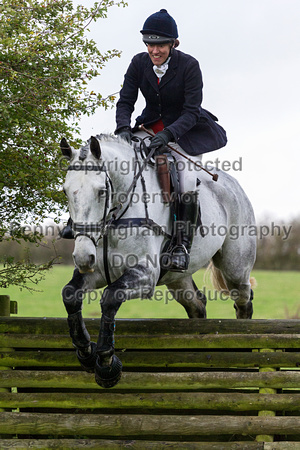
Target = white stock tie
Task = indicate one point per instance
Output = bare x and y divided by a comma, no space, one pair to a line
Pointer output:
161,70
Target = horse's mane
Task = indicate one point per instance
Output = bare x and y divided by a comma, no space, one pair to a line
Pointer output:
107,137
104,137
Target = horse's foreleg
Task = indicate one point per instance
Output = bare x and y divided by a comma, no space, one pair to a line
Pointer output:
134,283
72,296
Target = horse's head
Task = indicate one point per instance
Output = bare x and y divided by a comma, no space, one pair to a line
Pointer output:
86,187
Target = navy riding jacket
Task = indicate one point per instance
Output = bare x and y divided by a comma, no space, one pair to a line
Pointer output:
176,101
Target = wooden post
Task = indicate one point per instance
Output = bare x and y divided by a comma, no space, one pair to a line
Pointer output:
4,306
5,312
266,437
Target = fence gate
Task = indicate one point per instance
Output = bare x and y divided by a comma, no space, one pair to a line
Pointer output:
187,384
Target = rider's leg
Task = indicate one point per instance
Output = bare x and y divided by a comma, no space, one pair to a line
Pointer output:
187,211
184,231
187,171
178,259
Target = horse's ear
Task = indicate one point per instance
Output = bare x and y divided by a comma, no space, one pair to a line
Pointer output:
65,148
95,147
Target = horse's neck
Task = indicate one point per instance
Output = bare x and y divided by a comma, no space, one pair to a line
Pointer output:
122,166
146,198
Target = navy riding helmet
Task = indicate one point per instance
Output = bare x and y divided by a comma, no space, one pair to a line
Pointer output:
159,28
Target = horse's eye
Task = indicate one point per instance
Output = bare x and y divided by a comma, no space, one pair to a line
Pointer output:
102,193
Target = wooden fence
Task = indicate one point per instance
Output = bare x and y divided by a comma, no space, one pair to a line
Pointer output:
186,384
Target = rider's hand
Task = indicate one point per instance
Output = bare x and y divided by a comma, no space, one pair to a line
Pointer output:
125,133
161,139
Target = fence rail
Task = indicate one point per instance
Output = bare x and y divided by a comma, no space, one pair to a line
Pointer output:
194,383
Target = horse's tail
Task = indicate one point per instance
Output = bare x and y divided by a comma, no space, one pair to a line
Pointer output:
218,281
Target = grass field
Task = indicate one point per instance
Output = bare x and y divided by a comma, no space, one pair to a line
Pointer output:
277,296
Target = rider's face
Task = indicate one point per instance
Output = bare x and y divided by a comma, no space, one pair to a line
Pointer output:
158,53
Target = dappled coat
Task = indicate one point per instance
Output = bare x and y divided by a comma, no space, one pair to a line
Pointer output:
176,100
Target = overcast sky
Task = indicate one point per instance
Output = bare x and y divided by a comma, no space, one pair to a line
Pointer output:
249,54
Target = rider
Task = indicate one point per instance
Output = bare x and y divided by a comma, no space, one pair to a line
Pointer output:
171,83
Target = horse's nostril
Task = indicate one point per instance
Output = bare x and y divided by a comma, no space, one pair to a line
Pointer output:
92,260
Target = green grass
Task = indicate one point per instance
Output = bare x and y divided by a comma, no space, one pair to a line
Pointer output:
277,296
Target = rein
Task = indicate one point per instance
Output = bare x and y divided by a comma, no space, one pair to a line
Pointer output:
214,176
135,177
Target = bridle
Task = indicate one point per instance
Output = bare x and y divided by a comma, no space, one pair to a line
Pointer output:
81,229
106,221
113,217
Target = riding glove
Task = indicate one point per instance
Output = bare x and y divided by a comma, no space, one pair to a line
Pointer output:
125,133
161,139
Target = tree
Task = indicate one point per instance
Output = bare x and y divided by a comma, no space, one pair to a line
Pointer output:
279,248
46,61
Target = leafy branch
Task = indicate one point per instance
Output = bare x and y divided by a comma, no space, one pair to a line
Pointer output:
21,273
46,62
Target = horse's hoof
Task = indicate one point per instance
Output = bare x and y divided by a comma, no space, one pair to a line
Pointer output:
108,376
88,362
244,312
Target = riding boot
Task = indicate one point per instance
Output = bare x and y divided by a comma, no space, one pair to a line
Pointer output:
185,227
67,231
